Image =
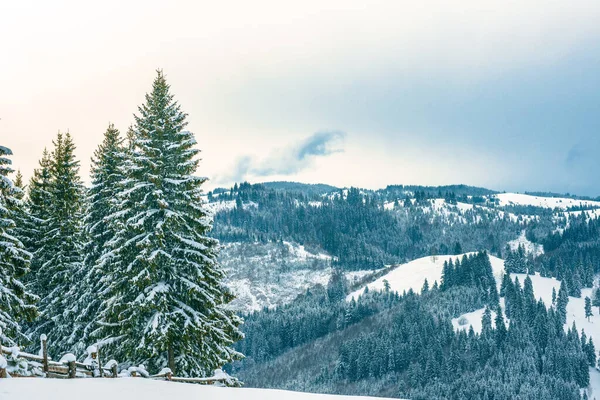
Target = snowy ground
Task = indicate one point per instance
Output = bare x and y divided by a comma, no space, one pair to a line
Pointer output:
271,274
530,247
268,274
542,288
507,199
139,388
590,213
412,275
226,205
462,213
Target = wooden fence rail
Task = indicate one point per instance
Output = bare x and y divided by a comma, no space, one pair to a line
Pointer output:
69,368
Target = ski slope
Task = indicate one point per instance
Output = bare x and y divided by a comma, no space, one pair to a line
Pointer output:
412,275
508,199
139,388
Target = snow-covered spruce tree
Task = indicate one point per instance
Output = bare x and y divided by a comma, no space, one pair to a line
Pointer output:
106,173
165,305
22,218
16,302
39,204
58,278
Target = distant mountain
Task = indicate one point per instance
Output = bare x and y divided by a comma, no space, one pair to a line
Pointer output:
308,188
458,190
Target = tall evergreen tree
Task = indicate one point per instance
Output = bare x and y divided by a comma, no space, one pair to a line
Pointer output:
561,302
21,215
165,303
425,287
588,308
59,277
106,173
40,205
500,327
596,299
486,321
590,351
16,303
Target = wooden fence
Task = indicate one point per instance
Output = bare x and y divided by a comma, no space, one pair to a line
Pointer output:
69,368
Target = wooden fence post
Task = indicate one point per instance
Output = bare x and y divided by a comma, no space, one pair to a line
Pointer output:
72,369
99,362
3,373
44,353
114,370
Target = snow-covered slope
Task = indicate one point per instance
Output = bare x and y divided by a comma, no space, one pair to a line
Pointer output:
216,206
412,275
530,248
269,274
507,199
139,388
542,288
461,213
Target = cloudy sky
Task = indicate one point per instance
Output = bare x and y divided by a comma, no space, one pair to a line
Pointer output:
502,94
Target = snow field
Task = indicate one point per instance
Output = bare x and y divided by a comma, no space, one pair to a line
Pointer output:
412,275
507,199
138,388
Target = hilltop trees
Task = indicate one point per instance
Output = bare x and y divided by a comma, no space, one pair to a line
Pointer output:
472,270
16,302
165,302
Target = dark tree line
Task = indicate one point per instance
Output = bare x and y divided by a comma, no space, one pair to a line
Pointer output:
356,228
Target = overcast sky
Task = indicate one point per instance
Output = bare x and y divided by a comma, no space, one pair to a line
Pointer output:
502,94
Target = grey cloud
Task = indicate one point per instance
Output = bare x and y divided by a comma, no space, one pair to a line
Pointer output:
289,160
575,155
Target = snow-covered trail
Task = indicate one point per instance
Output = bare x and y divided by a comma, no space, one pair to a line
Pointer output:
139,388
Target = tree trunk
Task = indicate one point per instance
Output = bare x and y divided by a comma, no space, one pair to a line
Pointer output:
171,357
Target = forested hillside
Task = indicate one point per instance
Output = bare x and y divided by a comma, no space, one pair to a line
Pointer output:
290,235
406,344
